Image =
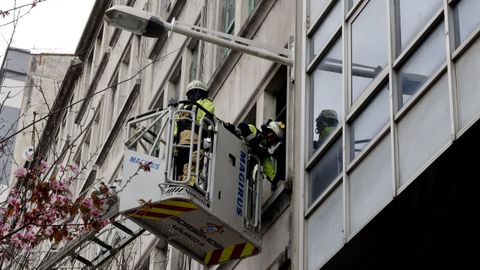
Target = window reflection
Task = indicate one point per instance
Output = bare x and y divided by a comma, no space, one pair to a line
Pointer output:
325,171
316,8
466,19
412,16
327,96
422,64
326,30
369,122
369,46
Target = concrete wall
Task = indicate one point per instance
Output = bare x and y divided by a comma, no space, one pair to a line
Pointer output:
44,77
131,59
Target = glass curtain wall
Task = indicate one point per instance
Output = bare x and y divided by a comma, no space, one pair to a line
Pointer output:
369,65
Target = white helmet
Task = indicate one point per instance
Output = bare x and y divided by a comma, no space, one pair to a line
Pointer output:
196,84
277,127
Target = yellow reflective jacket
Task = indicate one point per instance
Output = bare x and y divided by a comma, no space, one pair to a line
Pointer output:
205,103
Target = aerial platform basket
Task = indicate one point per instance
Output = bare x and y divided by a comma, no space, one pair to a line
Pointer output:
212,211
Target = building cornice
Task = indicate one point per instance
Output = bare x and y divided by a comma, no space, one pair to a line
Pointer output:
91,29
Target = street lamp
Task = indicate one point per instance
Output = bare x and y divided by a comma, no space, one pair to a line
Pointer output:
147,24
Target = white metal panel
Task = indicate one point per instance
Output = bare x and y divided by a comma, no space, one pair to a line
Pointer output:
138,184
468,83
424,131
371,185
228,182
325,230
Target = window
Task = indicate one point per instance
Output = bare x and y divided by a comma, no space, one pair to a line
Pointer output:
78,182
194,65
229,16
326,96
316,7
228,21
412,16
96,137
281,115
167,4
98,49
422,64
326,30
111,105
466,19
369,122
369,46
123,74
327,169
274,97
174,85
87,74
86,147
252,4
352,3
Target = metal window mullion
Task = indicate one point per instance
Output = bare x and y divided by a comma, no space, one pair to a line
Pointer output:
450,31
324,14
394,44
471,38
305,128
419,39
346,39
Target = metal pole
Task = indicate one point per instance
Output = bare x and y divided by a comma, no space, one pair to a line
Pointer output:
229,41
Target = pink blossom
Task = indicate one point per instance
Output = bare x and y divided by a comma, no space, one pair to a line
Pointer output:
95,212
3,230
55,185
14,192
101,202
62,198
88,202
15,240
20,172
14,201
62,184
61,167
104,222
49,231
74,168
44,166
29,236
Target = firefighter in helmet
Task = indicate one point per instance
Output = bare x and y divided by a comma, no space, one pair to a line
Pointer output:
196,92
325,124
267,144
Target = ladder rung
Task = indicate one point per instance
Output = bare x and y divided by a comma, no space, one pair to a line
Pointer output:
123,228
82,259
101,243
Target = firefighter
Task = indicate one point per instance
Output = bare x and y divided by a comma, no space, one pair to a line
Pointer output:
266,144
197,92
325,124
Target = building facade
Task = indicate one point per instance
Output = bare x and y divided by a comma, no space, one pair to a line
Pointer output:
383,188
381,108
13,78
118,75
